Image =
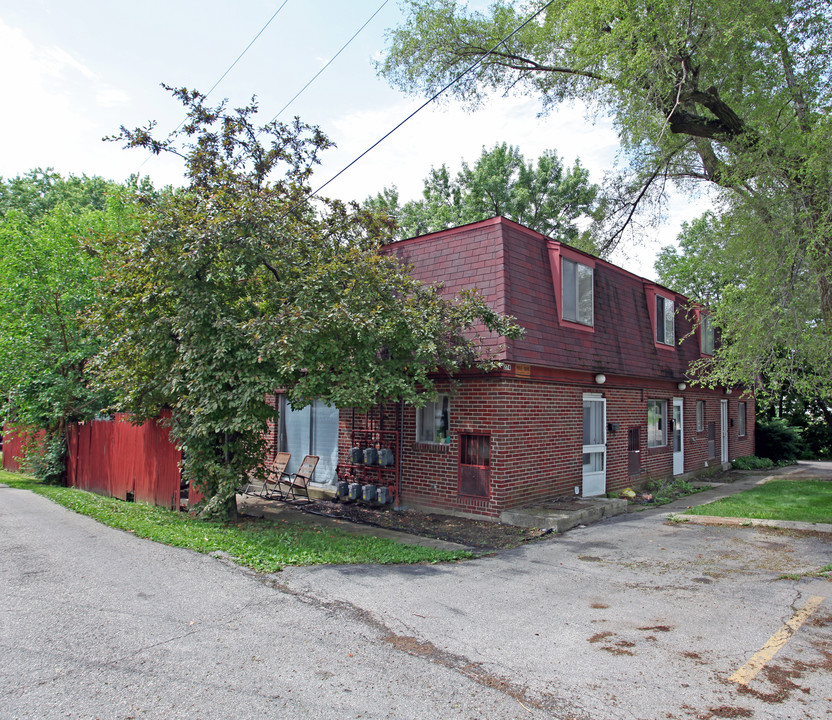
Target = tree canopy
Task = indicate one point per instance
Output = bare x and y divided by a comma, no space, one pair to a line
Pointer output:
546,196
736,96
239,284
52,232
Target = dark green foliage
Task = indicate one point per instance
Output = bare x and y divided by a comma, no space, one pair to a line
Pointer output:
44,457
778,441
53,232
752,462
545,197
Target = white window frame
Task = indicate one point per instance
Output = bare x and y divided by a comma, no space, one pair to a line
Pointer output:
700,415
574,269
706,332
742,419
665,320
656,423
429,421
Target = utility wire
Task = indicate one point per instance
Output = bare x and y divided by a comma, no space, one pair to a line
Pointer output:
254,39
230,68
459,77
331,60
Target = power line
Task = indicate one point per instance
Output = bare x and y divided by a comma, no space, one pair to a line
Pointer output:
331,60
459,77
228,70
254,39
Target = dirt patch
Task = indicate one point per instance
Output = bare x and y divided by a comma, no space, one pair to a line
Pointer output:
598,637
476,534
566,503
726,711
615,650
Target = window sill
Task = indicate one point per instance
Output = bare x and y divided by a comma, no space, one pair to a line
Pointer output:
436,448
577,326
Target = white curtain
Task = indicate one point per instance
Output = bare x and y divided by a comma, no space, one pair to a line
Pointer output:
312,430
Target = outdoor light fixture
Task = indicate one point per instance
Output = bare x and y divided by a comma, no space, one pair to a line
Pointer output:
600,378
682,386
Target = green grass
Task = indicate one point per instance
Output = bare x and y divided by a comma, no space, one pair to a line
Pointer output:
263,545
797,500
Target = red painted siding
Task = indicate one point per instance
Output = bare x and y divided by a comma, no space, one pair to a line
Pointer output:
14,442
115,458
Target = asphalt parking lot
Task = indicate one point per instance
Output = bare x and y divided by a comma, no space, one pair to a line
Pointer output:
633,617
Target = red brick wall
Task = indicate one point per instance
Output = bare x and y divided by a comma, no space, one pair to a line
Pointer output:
535,429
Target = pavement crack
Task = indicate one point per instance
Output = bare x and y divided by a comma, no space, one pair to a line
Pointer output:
426,650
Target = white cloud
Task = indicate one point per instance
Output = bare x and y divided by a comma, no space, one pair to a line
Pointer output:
57,61
110,97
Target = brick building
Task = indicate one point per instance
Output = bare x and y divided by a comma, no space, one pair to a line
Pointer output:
594,398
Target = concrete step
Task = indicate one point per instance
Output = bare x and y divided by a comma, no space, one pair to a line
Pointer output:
541,516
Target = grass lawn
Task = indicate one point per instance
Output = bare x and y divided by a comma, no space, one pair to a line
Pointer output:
262,545
798,500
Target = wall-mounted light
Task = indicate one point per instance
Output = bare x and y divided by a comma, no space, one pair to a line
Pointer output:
727,391
682,386
600,378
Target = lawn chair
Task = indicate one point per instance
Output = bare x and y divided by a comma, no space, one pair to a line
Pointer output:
299,481
274,474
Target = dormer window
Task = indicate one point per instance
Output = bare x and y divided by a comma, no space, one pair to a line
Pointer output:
665,315
577,292
706,332
573,280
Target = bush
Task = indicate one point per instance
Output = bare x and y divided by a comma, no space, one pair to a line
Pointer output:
778,441
752,462
817,438
667,490
45,458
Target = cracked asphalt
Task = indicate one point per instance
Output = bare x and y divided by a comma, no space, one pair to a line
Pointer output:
630,618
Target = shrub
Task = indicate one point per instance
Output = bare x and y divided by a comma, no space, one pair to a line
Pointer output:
667,490
778,441
44,456
752,462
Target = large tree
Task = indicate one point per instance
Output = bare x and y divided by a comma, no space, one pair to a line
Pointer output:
733,95
545,196
52,231
240,283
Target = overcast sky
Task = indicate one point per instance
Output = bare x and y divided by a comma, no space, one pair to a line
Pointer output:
73,72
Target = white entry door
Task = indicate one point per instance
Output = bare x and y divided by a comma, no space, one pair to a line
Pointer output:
723,431
594,446
678,436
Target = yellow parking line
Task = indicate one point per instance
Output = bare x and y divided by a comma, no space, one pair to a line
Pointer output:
758,661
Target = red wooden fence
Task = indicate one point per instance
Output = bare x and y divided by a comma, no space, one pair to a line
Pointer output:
14,438
115,458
